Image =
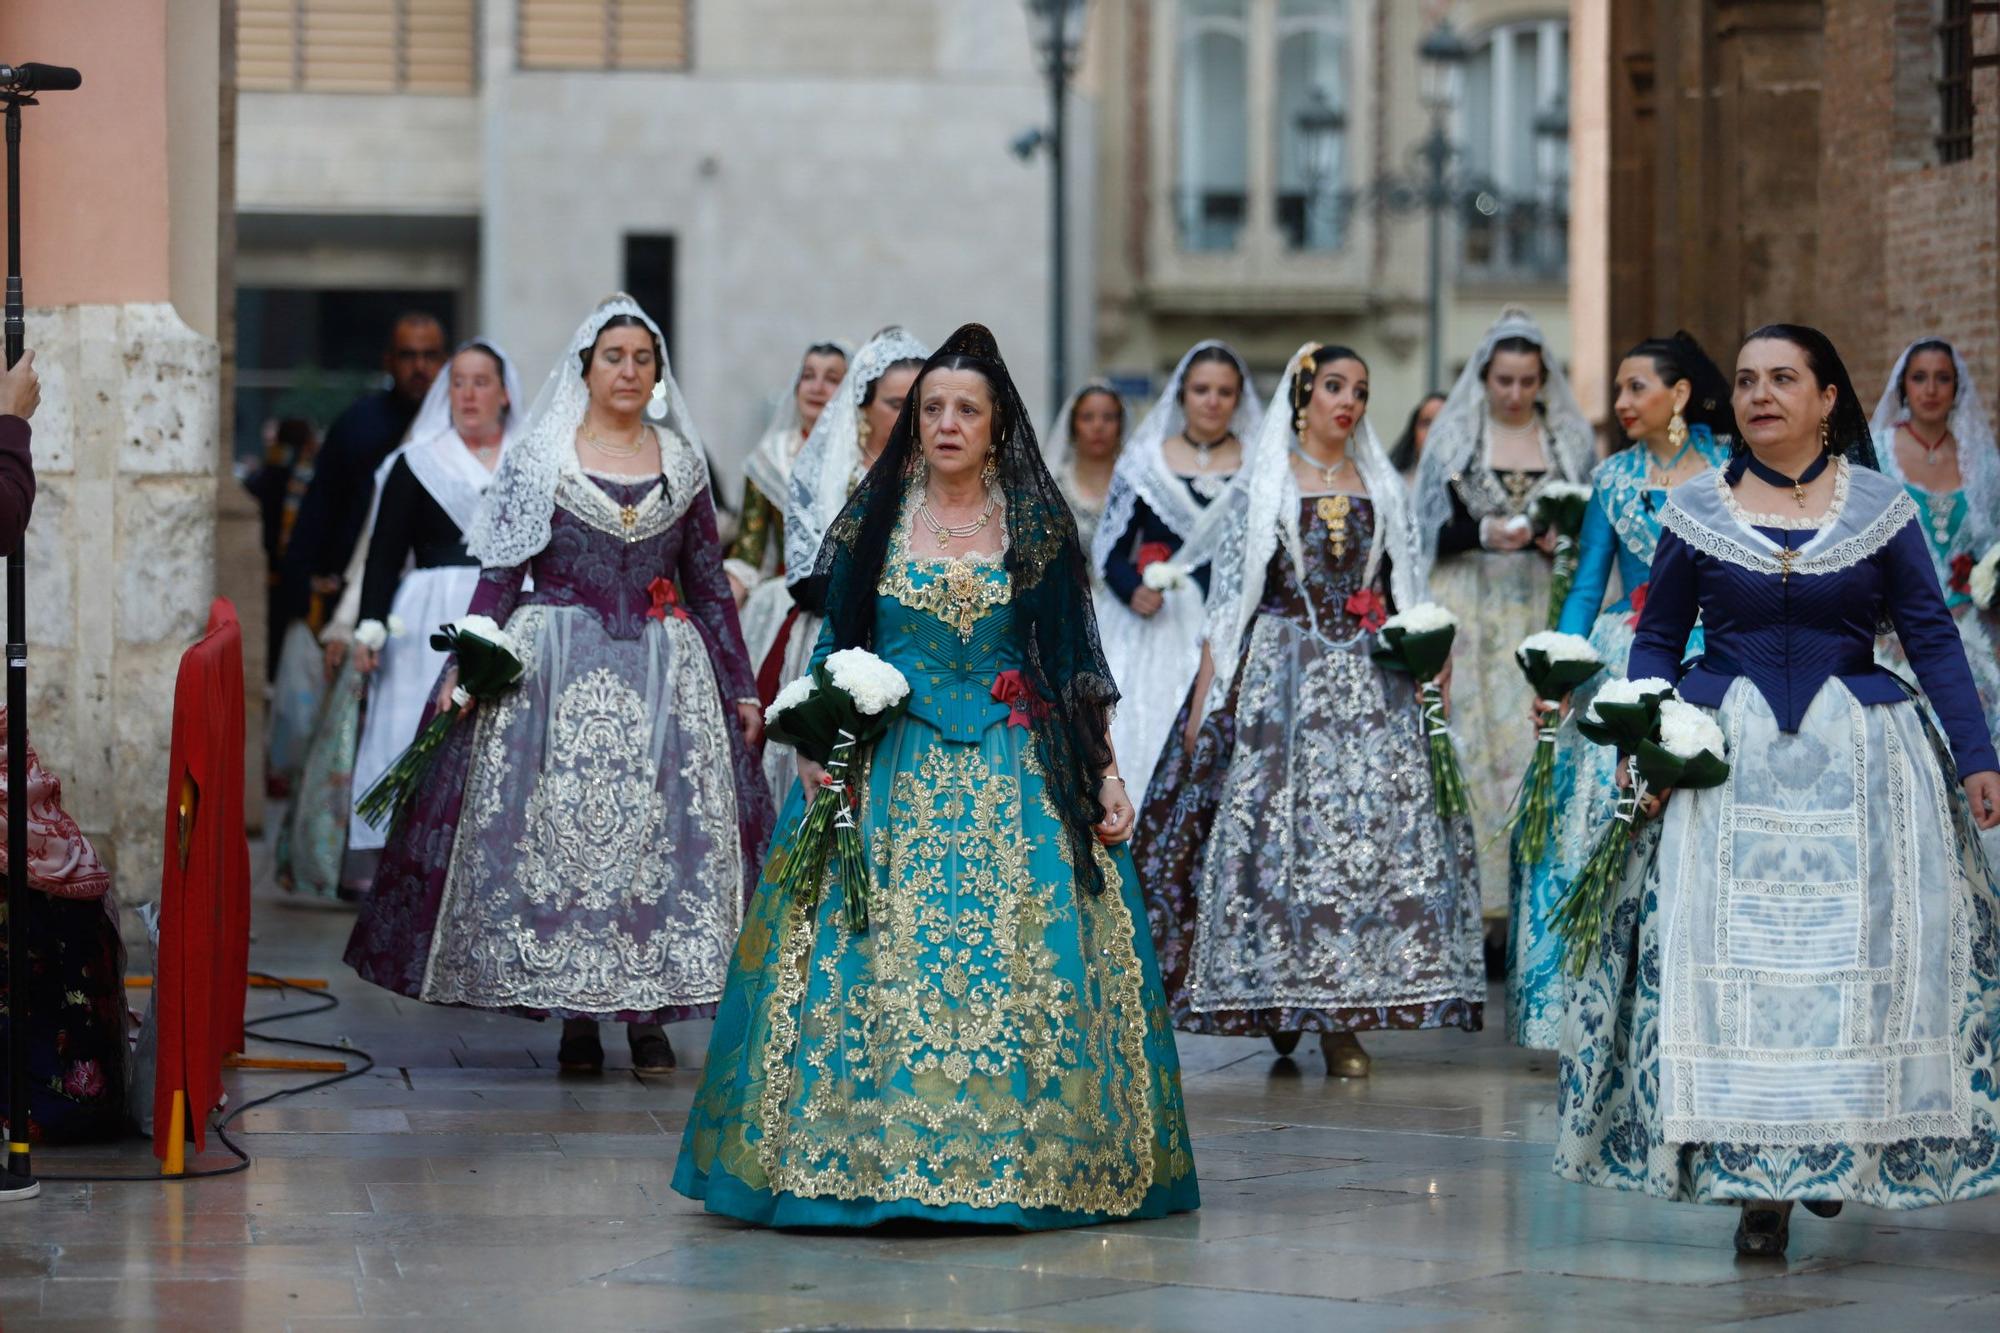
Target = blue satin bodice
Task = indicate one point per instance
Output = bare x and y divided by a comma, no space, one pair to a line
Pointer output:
1622,527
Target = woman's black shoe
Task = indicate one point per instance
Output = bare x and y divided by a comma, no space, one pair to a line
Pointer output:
581,1052
652,1053
1763,1230
1284,1043
1822,1207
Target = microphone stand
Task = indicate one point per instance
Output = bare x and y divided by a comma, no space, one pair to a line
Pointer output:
18,1181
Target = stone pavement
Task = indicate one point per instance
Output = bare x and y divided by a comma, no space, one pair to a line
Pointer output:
463,1185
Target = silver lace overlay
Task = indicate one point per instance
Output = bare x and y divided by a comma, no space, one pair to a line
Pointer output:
597,866
1978,456
829,466
1373,911
1142,472
1238,536
512,523
1816,933
1455,451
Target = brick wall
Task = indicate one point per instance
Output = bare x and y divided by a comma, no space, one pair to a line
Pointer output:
1941,238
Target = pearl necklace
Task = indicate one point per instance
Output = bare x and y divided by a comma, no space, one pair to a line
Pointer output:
946,533
595,441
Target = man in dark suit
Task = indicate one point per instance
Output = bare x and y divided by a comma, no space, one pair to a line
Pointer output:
335,506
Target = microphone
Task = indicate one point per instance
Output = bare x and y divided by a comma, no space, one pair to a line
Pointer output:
39,79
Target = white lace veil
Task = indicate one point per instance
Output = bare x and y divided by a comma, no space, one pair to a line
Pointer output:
513,521
769,465
1058,445
1458,435
438,458
1241,532
1142,472
1978,459
823,473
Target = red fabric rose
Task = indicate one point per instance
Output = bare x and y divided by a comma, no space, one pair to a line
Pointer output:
1961,572
665,599
1024,707
1638,603
1368,607
1151,553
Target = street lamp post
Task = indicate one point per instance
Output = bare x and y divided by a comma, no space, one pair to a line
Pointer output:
1320,125
1443,54
1057,30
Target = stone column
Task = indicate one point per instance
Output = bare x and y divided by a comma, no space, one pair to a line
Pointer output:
120,212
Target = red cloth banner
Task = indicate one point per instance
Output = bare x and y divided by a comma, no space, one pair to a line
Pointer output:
204,884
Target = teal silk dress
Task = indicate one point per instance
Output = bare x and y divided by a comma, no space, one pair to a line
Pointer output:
1621,527
995,1048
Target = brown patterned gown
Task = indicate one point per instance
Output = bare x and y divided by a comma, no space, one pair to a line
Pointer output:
1296,872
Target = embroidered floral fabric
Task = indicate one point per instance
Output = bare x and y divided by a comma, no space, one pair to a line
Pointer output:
994,1048
1297,874
586,841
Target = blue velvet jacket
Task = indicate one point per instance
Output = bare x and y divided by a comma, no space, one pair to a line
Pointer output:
1790,606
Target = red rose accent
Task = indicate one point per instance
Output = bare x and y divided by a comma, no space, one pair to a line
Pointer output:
1023,706
1638,603
664,599
1961,572
1368,607
1151,553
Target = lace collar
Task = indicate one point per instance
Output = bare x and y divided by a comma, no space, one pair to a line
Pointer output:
682,477
1623,486
1868,510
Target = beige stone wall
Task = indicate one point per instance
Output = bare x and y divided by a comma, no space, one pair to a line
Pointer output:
121,560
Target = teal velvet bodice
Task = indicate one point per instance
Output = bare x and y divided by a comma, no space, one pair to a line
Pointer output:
948,625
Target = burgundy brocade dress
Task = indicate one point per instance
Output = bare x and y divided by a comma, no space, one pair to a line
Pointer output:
584,845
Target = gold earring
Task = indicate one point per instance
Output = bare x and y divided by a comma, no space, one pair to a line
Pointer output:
991,470
861,432
1825,434
1677,432
1299,424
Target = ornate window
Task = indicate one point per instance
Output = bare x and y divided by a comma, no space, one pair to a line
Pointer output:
1212,187
1515,128
1310,121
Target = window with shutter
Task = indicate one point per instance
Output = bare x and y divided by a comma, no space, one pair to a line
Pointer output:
357,46
604,34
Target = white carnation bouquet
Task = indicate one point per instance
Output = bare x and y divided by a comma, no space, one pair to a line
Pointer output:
1672,744
1164,576
829,715
489,663
1560,508
1554,664
372,634
1983,579
1418,642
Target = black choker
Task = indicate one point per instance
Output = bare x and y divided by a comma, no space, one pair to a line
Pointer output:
1770,476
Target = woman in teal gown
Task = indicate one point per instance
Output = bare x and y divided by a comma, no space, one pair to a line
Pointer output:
1672,406
994,1046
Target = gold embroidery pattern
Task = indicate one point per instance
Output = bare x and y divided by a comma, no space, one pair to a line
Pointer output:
961,1068
957,593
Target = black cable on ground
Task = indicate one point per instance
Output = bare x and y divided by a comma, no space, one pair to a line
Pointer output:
327,1001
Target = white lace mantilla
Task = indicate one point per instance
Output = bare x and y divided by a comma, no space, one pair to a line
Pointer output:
1868,510
1817,940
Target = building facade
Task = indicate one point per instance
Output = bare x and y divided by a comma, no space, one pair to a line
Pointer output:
1258,167
124,260
760,174
1832,162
